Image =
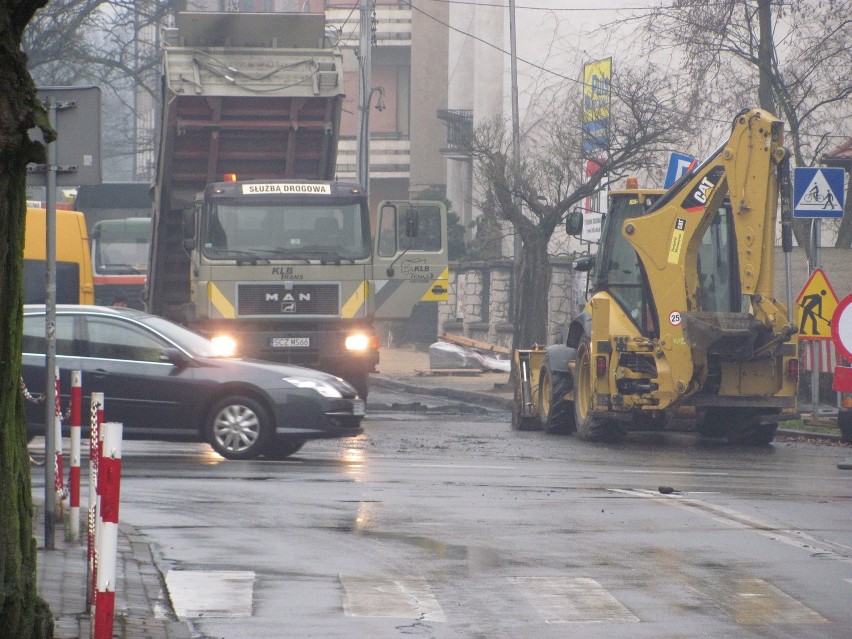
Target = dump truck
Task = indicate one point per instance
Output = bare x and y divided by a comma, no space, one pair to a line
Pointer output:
120,260
252,236
683,328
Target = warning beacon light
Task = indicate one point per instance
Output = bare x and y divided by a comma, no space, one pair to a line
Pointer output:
229,177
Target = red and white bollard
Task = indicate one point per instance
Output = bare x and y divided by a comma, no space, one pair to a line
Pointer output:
59,479
96,418
109,482
74,457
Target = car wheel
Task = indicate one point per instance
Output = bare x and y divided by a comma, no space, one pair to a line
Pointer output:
239,427
556,413
283,448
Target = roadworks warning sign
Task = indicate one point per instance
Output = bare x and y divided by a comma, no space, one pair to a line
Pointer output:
815,306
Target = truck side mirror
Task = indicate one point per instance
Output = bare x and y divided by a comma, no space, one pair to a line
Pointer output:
574,223
585,264
189,226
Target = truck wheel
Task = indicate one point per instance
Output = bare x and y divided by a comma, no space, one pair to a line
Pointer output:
589,427
238,427
361,382
555,412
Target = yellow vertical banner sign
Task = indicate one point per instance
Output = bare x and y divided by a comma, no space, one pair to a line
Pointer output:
596,105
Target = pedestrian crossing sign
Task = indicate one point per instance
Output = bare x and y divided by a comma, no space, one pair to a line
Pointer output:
815,306
818,192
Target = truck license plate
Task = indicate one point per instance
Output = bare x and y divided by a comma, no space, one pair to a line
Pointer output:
290,342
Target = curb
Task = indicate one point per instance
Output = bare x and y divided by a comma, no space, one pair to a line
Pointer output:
480,398
488,400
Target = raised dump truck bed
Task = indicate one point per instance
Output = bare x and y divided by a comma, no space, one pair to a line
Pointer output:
257,96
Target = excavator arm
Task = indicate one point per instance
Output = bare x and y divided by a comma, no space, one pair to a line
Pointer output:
743,173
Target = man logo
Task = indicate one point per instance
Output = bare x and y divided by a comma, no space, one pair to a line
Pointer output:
289,307
288,297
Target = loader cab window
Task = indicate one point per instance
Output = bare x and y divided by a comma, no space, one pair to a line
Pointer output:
718,282
617,267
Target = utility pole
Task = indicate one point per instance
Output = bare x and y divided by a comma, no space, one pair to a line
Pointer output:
365,92
516,158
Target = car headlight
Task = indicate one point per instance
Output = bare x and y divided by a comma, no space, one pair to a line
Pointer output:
323,388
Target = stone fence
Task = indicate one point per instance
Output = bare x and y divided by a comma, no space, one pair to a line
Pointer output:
479,304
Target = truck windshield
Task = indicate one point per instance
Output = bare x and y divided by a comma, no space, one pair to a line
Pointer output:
277,230
121,248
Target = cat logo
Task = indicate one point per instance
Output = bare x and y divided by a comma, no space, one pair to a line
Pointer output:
697,200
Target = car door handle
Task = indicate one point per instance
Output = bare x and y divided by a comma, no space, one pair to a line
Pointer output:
99,372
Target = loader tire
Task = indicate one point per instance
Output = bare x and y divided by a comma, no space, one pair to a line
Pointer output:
555,412
713,424
591,427
750,432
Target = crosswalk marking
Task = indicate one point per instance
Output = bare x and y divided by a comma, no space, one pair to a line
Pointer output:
755,601
210,593
577,600
404,598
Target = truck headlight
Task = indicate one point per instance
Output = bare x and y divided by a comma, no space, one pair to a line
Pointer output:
224,345
323,388
361,342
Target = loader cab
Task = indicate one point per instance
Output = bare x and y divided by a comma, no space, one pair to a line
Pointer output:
618,271
616,266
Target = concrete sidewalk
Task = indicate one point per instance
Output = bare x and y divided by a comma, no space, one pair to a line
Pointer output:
142,609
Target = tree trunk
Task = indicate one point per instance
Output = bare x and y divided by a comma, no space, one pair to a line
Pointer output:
24,615
532,283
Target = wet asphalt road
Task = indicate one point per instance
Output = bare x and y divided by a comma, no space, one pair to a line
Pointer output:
441,522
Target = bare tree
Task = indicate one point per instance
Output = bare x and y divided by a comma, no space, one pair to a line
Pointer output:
795,58
111,44
646,120
24,614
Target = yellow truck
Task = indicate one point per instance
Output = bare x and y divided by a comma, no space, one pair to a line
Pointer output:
73,262
683,326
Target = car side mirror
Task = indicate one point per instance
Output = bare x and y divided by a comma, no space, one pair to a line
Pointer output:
174,356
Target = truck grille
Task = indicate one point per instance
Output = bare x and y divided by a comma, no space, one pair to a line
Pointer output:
299,300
